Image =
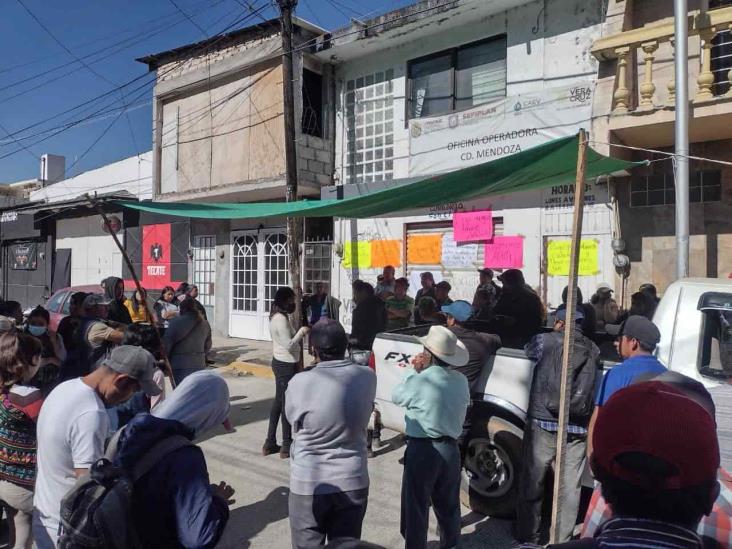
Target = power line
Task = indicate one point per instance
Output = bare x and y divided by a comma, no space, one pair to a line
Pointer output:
66,126
189,18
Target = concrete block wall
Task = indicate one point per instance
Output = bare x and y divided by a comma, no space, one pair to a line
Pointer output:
314,160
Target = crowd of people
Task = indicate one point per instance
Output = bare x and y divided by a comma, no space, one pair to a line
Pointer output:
84,401
67,389
650,490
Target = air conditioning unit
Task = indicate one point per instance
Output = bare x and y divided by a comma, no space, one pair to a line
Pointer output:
53,168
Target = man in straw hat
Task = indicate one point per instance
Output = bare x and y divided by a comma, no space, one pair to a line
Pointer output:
436,399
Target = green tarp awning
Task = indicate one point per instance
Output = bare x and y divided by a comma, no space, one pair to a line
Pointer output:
543,166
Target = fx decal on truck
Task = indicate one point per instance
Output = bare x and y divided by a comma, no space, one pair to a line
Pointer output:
402,362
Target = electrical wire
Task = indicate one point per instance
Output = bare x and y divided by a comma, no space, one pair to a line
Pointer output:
190,19
670,155
51,132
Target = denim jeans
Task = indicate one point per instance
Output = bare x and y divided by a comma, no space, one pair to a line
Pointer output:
283,372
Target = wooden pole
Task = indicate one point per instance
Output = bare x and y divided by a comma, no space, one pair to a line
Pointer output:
138,286
293,224
569,332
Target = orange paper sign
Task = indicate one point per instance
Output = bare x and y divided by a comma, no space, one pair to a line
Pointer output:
424,249
386,252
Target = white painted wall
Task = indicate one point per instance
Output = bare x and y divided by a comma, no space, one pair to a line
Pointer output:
133,175
557,54
94,255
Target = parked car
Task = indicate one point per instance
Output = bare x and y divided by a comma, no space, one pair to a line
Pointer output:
58,304
695,320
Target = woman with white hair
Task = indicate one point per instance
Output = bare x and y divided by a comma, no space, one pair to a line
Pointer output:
174,504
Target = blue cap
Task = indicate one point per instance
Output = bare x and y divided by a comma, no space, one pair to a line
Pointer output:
579,315
460,310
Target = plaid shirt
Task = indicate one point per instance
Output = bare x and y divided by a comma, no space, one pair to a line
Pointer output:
717,526
553,427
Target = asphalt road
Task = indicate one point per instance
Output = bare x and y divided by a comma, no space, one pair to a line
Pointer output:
259,516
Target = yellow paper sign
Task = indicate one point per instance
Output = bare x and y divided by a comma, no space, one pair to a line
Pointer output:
386,252
357,254
558,252
424,249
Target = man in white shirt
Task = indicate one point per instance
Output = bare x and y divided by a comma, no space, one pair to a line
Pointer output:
73,426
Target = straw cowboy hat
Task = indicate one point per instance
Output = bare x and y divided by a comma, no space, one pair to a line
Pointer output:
445,345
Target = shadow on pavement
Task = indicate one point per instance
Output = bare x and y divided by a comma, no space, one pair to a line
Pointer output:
243,413
390,445
490,532
248,521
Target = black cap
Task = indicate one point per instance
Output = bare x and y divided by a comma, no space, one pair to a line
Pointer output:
329,337
512,276
486,271
636,327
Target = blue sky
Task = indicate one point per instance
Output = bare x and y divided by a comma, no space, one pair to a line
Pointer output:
40,79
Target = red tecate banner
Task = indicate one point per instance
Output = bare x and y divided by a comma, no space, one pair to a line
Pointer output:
156,254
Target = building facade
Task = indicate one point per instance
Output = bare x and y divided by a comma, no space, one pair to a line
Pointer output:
634,116
435,88
219,136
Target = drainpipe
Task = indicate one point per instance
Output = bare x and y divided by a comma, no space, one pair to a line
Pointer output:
681,160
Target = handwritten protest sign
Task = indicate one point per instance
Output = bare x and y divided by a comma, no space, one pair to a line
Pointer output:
558,252
505,252
386,252
424,249
472,226
454,255
356,254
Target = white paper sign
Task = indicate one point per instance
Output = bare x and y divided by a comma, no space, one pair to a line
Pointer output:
501,128
454,255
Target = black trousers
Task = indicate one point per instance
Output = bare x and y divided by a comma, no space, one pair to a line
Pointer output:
431,476
283,372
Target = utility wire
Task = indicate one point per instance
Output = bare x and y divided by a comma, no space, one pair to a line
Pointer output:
205,34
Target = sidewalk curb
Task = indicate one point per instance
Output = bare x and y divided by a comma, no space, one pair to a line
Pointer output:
249,368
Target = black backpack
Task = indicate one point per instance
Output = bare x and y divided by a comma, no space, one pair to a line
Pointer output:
97,512
584,375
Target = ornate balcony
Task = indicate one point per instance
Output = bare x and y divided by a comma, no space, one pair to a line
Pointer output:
642,91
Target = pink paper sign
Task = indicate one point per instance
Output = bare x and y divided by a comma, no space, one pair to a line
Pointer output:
472,226
505,252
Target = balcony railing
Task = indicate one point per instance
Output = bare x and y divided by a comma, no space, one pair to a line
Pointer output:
713,76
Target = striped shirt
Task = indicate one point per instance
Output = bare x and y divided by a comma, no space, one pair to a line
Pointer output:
632,533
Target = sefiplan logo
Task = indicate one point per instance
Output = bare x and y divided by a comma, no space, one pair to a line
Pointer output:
402,359
580,94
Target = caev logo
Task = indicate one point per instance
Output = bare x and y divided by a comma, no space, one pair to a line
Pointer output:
402,359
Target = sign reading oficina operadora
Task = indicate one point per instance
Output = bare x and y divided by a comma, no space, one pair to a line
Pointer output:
501,128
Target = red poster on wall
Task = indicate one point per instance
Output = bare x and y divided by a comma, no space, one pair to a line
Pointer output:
156,255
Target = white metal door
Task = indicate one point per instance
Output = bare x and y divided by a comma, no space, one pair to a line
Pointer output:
204,270
258,268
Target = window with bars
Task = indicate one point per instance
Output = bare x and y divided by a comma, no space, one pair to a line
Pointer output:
370,128
275,266
316,264
245,274
658,189
721,54
204,267
456,79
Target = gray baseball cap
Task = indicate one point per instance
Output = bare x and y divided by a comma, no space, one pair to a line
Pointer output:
92,300
137,363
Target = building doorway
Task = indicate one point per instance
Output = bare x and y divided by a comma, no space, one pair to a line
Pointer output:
258,268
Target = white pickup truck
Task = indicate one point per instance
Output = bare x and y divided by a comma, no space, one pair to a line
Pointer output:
694,318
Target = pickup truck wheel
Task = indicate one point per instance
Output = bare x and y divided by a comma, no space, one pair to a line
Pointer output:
490,472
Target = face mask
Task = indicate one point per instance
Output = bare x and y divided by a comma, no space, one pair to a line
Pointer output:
37,330
290,308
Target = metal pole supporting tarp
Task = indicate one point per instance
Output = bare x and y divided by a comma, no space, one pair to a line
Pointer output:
681,160
569,332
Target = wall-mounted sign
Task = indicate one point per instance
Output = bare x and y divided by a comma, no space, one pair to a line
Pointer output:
7,217
24,256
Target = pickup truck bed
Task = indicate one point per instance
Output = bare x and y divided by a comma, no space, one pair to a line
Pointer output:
722,395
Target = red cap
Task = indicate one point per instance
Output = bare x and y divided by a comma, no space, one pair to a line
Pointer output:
656,419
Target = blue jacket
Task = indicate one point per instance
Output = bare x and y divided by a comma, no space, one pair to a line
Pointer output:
173,504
